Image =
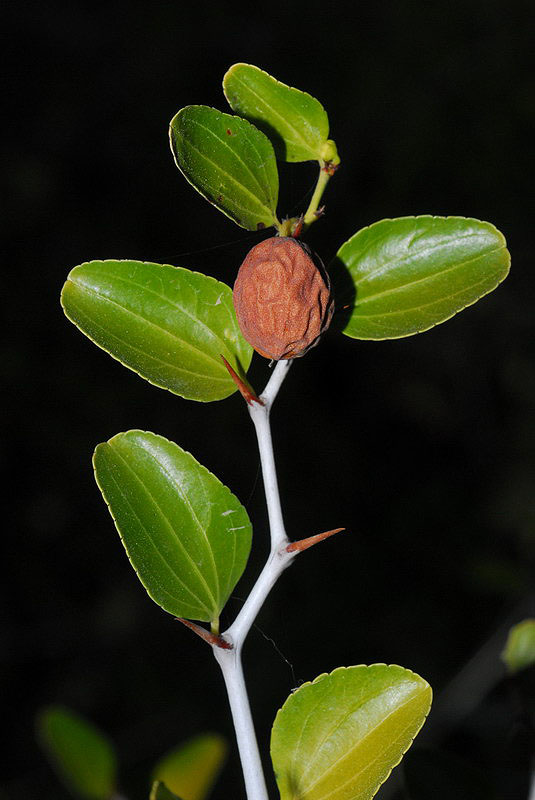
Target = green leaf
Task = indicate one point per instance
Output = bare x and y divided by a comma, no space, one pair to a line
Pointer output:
519,651
438,775
230,162
159,791
192,769
187,536
82,756
340,736
411,273
296,122
168,324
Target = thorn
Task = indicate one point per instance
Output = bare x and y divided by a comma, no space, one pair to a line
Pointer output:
304,544
297,229
210,638
320,212
246,391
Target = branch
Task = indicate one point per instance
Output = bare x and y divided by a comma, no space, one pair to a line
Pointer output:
281,555
230,659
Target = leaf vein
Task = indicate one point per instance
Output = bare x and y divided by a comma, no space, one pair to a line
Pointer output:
172,303
156,550
340,721
167,520
424,305
431,277
355,747
241,186
370,763
297,134
172,335
389,264
235,153
175,483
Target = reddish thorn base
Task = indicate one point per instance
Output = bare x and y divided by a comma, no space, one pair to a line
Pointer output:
210,638
246,391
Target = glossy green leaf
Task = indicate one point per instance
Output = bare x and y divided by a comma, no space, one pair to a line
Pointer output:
159,791
230,162
339,737
519,652
187,536
296,122
168,324
82,756
439,775
411,273
192,769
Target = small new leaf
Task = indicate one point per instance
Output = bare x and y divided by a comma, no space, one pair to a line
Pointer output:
519,651
191,770
230,162
403,276
168,324
187,536
159,791
296,122
341,735
81,755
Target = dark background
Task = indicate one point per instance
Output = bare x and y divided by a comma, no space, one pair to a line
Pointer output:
422,447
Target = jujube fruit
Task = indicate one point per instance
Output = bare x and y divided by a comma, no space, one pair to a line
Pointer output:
282,298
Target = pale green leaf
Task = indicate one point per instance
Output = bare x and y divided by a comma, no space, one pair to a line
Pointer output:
187,536
230,162
81,755
296,122
519,651
403,276
192,769
159,791
168,324
339,737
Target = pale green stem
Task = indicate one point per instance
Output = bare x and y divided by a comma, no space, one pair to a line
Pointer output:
329,163
323,180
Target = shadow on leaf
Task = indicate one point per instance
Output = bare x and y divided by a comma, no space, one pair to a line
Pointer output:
344,291
294,786
279,145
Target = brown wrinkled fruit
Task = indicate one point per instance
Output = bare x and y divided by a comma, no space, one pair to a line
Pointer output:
282,298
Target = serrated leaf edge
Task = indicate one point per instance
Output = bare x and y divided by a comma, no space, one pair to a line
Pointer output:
404,670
